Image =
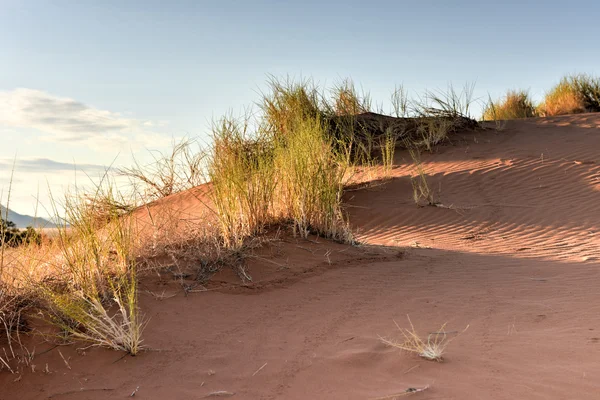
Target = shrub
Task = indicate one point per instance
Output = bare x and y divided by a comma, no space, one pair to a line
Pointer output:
515,104
573,94
10,235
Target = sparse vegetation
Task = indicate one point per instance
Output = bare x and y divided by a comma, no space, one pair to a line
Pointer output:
242,175
287,165
11,309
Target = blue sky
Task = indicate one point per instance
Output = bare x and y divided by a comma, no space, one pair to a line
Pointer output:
83,82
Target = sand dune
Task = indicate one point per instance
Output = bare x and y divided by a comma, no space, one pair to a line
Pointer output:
512,252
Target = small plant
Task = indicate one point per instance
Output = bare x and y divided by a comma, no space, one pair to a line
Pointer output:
515,104
388,148
432,348
421,189
400,103
433,131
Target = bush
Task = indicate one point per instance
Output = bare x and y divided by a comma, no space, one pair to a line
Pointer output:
573,94
10,235
516,104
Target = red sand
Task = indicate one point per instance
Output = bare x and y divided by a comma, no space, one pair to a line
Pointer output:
514,256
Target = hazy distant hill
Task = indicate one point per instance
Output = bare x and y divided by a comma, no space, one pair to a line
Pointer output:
23,221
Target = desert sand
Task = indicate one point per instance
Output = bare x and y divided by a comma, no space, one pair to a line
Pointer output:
511,251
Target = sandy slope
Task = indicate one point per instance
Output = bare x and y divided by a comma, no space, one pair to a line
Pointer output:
514,256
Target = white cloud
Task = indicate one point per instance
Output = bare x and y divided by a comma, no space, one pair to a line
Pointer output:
66,120
47,165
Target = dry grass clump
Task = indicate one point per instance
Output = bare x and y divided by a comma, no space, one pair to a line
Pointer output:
450,104
112,322
422,192
515,104
11,322
439,114
289,101
311,182
432,348
573,94
170,173
347,101
84,279
97,271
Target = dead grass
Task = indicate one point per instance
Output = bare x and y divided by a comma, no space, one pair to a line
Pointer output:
170,173
431,348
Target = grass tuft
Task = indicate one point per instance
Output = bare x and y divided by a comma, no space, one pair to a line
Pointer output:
95,270
432,348
422,192
574,94
515,104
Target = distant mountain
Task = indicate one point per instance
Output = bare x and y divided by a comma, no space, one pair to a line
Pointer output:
23,221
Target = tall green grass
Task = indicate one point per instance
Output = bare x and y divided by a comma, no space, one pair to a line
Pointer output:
242,179
287,169
310,181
